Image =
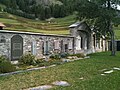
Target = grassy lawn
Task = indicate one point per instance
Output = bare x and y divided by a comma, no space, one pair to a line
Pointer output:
88,69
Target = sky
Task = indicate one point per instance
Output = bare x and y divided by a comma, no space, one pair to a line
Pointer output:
118,7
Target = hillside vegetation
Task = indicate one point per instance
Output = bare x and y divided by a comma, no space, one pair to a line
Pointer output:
56,26
50,26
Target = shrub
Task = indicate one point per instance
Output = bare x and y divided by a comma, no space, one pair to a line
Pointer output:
64,55
3,59
6,67
38,61
28,59
55,56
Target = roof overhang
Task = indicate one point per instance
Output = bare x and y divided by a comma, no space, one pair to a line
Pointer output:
2,25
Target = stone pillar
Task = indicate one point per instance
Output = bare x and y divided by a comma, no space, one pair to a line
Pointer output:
91,43
78,43
106,45
97,44
103,45
34,46
85,44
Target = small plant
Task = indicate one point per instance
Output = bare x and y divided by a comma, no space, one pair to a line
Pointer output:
56,56
28,59
38,61
3,59
64,55
6,67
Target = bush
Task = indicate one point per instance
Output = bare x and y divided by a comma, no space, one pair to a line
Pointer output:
6,67
64,55
38,61
56,56
28,59
3,59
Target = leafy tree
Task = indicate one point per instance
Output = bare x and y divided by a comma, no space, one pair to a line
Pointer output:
47,12
100,15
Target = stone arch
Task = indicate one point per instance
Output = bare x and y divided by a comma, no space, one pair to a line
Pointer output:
16,47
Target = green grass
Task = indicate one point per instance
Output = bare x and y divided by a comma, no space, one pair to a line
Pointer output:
2,6
8,21
117,32
58,26
89,69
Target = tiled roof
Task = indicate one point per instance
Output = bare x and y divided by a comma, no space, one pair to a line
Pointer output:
2,25
75,25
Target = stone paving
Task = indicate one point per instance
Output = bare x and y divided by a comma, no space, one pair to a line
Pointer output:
46,87
61,83
105,71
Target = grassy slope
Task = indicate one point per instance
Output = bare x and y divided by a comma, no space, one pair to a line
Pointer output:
58,26
89,69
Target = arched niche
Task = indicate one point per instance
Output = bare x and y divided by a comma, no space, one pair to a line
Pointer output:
16,47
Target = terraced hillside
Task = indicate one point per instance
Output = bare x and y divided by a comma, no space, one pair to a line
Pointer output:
50,26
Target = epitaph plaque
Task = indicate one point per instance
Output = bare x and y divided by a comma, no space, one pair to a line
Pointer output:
16,47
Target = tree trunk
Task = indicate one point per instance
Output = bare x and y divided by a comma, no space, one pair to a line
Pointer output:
112,34
113,51
110,29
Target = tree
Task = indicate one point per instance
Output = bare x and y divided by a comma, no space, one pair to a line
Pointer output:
56,11
47,12
99,14
110,7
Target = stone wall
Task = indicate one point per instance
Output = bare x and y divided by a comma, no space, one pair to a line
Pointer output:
85,39
37,44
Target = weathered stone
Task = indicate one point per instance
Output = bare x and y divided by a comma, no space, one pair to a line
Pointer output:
34,43
107,72
80,40
115,68
61,83
44,87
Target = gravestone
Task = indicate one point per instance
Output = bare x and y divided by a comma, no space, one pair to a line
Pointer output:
16,47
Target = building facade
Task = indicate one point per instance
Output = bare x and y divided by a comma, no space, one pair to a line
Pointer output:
14,44
85,39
